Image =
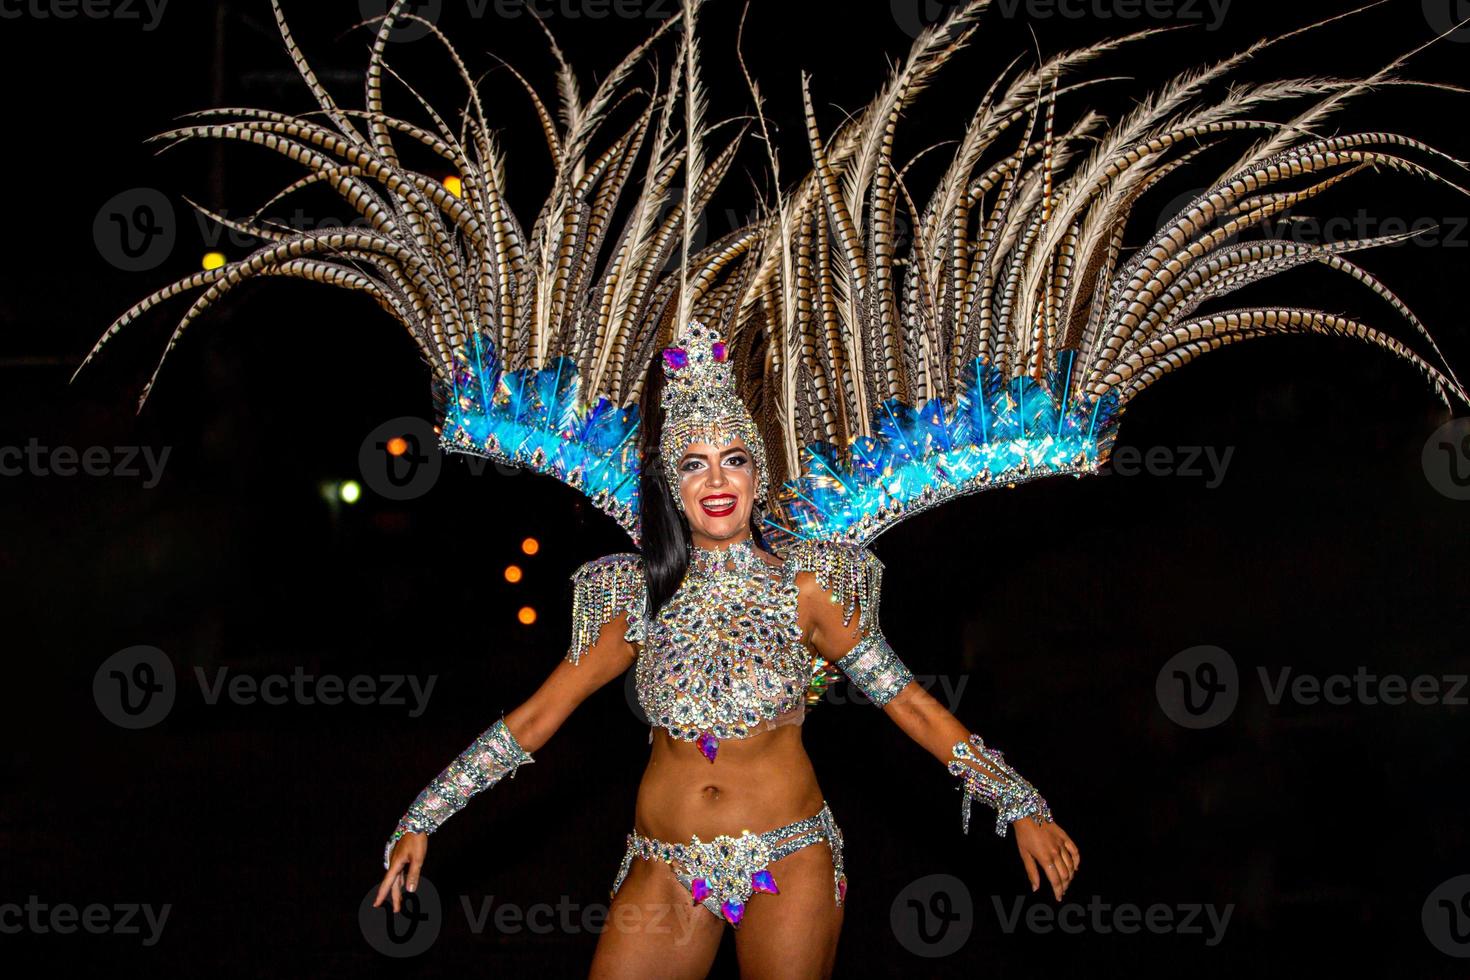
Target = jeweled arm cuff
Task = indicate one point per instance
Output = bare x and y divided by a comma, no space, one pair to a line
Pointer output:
984,773
875,669
491,757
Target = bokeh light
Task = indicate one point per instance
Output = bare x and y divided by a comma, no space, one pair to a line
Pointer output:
530,546
513,573
397,446
350,491
213,260
527,615
454,186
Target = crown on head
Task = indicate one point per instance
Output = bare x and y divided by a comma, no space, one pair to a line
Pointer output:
701,405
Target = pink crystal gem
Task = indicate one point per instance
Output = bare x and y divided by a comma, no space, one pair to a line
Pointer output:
700,889
709,745
718,350
842,888
734,912
676,357
762,881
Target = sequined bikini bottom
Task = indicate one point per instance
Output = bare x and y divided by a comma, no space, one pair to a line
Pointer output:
724,873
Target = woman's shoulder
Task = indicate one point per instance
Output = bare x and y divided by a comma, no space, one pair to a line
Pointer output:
623,563
827,557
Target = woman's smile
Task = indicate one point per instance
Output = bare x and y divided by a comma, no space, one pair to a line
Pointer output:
719,504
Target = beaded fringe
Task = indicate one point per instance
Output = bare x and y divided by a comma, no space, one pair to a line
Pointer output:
602,590
852,574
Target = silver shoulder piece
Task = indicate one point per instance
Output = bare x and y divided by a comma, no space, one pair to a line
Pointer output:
852,574
604,589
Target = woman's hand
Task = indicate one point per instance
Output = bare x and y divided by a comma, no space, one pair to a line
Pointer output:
1047,845
407,858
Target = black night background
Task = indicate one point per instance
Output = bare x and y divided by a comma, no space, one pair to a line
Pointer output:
1282,508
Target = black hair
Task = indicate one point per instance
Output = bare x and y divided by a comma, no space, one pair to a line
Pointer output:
663,530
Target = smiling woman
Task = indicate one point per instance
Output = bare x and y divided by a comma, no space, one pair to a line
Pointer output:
903,345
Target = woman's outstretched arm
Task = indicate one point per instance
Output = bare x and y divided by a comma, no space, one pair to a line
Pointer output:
843,634
501,750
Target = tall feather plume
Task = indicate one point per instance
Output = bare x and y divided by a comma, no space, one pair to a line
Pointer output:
696,105
1018,306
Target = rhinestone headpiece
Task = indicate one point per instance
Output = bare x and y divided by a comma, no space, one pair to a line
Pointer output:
701,405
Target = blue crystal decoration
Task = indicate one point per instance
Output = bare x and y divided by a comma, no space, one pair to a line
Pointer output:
997,431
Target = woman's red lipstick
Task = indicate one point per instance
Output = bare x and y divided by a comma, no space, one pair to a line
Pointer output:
721,509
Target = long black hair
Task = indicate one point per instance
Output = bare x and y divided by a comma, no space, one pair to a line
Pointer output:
663,531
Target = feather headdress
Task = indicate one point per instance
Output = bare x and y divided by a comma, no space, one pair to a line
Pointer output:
997,344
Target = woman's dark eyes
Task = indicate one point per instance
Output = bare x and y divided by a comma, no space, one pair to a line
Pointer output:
689,466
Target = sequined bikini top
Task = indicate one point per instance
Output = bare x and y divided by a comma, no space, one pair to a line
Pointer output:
725,655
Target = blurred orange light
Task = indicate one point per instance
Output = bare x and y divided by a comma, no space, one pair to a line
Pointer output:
530,546
527,615
454,186
397,446
513,573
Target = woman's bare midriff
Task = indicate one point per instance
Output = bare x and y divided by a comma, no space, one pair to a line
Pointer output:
757,784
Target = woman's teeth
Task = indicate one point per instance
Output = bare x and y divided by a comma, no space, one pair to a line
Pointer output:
717,506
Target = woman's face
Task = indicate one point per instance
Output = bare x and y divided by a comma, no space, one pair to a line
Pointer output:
717,485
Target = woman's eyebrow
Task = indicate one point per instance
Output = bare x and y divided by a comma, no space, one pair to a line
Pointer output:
732,449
